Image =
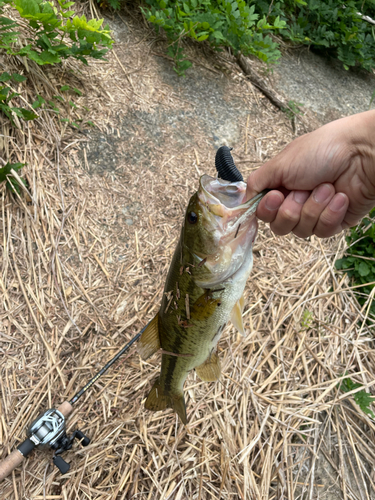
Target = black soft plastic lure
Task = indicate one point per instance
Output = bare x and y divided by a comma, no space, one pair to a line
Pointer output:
225,166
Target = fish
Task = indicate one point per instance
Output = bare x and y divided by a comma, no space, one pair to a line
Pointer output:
203,289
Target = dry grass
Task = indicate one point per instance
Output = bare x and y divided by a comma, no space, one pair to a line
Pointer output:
83,263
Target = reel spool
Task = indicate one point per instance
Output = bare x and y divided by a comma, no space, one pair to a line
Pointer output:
49,431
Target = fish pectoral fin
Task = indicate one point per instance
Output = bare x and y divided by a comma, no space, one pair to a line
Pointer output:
210,370
149,342
236,315
242,303
158,400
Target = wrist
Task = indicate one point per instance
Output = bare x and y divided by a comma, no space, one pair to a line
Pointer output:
362,141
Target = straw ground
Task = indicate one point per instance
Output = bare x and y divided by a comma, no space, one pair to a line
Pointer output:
85,249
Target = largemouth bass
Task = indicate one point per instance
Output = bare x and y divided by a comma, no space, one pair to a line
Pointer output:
203,290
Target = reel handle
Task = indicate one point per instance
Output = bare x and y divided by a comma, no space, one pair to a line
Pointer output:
13,460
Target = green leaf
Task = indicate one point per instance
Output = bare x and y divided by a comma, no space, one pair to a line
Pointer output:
218,35
5,77
24,113
18,78
68,13
55,108
363,269
38,102
4,171
64,88
339,263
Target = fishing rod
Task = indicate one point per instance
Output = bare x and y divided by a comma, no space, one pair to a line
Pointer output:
48,430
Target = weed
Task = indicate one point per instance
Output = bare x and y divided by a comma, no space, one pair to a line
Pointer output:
359,261
293,109
11,183
362,398
7,94
307,319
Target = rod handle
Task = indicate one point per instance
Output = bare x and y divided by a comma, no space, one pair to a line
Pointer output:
10,463
65,408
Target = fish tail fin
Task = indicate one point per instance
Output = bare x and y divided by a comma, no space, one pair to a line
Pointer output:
158,400
179,406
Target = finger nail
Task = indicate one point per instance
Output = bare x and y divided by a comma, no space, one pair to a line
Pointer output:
273,202
321,193
300,196
338,202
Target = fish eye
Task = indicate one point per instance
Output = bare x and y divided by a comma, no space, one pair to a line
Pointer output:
192,217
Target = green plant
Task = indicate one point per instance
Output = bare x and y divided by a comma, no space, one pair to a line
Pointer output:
293,109
359,261
362,398
227,23
54,33
331,25
50,28
247,26
114,4
11,183
307,319
7,94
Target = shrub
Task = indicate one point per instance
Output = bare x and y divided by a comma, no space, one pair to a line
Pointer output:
227,23
332,25
49,28
247,26
53,34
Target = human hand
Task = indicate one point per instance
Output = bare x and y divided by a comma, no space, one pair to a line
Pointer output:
322,182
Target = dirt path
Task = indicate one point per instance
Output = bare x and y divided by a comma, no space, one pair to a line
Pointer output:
84,267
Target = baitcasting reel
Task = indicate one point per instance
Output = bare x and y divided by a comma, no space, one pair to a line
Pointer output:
49,430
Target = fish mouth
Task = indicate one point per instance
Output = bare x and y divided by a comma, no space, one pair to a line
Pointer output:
231,219
226,201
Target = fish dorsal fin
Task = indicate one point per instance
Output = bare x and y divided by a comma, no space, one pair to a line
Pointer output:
210,370
149,342
158,400
236,315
